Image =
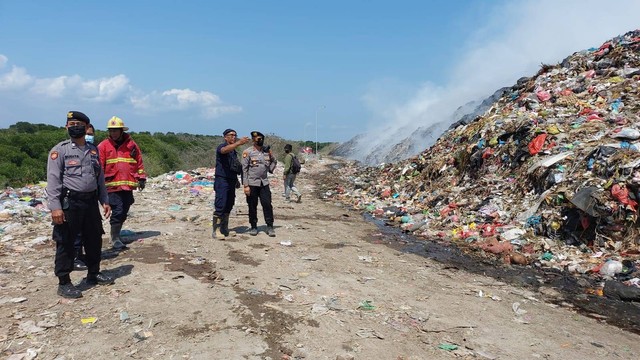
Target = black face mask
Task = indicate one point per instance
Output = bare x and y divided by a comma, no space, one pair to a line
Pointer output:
260,142
77,131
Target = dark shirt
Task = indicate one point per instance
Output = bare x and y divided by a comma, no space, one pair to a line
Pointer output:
223,163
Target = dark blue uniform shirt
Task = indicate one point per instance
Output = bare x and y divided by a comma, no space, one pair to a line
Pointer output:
223,162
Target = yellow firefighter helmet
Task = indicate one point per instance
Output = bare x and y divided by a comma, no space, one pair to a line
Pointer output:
116,123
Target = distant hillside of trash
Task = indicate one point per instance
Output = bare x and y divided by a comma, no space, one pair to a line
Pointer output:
550,173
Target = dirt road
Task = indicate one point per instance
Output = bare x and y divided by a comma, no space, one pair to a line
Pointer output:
327,287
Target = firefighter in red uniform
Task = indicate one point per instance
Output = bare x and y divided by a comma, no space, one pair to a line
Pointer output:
121,160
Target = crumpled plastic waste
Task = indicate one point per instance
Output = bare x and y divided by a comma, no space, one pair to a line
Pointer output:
556,156
611,268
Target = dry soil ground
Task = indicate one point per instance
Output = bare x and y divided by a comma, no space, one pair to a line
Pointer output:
327,287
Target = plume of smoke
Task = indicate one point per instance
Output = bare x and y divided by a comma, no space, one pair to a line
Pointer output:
516,39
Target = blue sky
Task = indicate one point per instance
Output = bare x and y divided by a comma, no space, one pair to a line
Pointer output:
203,66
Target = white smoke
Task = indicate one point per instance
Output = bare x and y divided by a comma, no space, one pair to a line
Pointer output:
514,42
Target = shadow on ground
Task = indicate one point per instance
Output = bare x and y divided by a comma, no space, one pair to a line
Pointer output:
574,288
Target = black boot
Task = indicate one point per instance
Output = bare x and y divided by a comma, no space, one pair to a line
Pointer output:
99,279
79,265
69,291
224,226
217,228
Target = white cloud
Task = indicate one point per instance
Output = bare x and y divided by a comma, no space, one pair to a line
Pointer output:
16,79
142,101
105,89
209,104
182,98
53,88
110,90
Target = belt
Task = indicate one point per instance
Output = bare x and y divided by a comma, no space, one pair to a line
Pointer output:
79,195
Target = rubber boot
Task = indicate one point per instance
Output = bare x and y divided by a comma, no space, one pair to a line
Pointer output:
116,242
217,228
224,226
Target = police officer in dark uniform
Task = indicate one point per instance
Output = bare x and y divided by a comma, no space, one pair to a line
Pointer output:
257,161
225,182
78,263
75,185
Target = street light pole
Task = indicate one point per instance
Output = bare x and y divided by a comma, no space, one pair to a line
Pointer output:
318,109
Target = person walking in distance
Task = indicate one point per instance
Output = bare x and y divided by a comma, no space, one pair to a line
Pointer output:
75,185
291,170
257,161
228,168
121,160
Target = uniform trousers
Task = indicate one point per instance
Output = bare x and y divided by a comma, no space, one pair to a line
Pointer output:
78,244
120,202
225,189
81,216
264,194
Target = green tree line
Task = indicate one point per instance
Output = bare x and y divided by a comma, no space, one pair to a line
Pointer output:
24,148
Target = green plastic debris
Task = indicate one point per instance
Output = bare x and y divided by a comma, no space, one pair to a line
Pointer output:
448,347
366,305
546,256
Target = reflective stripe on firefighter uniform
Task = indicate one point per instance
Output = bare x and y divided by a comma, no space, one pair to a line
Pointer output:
122,165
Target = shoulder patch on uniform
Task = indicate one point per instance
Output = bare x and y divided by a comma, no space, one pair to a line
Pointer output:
244,154
54,155
94,152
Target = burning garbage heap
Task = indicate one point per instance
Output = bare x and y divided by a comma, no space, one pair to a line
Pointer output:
549,174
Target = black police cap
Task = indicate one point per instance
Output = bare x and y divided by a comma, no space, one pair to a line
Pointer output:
228,131
77,115
255,134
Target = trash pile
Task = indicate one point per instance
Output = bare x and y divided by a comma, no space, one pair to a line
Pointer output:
27,202
25,220
550,174
198,181
22,213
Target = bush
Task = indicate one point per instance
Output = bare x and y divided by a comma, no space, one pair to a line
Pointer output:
25,147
